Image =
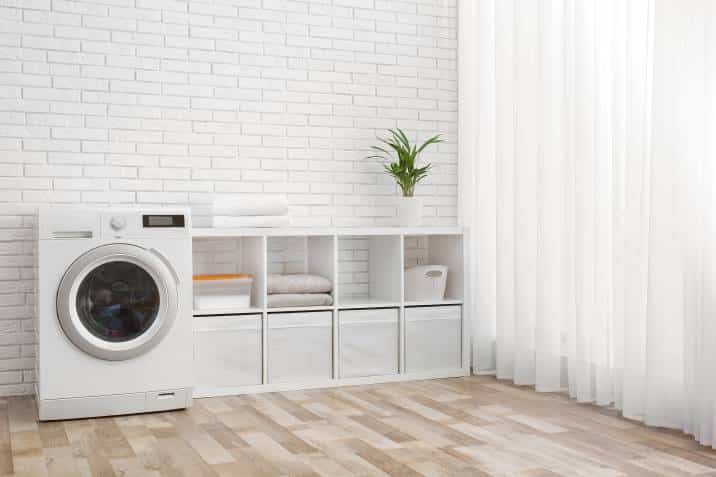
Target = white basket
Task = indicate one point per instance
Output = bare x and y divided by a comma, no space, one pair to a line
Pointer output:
214,302
425,283
230,291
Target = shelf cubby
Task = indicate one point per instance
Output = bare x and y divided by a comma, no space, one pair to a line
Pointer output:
233,255
440,249
369,271
310,254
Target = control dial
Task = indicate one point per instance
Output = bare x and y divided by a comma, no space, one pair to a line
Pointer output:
117,223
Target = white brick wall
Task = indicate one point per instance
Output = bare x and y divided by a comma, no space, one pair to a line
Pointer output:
416,251
286,254
353,266
171,101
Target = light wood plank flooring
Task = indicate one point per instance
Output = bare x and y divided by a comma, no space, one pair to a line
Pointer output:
458,427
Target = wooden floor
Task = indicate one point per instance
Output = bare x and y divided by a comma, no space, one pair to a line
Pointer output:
467,426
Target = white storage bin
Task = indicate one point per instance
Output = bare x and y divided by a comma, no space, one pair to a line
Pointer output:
221,302
227,350
433,338
425,283
213,292
368,342
300,347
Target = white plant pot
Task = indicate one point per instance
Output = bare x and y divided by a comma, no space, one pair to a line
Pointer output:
410,211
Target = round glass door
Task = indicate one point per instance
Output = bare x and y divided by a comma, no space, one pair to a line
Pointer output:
117,301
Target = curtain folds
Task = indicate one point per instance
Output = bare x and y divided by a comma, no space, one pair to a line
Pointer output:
594,209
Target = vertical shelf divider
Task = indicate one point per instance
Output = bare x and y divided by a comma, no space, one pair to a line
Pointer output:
401,311
465,309
336,324
264,312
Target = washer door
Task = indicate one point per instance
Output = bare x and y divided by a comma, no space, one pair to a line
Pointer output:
117,301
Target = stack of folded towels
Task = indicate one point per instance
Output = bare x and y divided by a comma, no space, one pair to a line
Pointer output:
250,211
299,290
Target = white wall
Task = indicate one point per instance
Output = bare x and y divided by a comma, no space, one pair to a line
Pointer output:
169,102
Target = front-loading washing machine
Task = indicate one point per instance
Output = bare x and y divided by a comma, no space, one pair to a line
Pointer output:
114,296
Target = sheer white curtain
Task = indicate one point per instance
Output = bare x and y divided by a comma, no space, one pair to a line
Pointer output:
588,149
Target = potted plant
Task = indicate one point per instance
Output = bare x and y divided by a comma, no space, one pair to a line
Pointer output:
402,157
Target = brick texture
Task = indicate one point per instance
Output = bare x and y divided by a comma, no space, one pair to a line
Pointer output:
155,102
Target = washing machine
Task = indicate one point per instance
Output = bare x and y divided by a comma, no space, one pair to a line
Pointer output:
114,296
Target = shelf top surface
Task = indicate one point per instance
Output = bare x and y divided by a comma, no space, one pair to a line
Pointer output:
324,231
349,303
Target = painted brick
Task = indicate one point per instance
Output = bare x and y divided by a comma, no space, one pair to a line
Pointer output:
172,101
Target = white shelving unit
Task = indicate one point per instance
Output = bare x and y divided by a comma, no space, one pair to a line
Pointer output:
369,329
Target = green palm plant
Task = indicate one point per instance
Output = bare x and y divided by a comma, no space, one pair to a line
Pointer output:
402,156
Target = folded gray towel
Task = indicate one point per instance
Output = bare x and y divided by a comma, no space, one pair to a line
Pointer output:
298,283
299,299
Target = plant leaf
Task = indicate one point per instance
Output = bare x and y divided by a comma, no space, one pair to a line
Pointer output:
433,140
402,156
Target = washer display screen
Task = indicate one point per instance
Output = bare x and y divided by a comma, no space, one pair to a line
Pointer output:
161,221
117,301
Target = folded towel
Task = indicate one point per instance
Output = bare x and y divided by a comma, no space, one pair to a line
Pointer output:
249,221
298,283
250,205
299,299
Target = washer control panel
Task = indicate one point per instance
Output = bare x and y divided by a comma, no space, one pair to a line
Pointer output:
141,223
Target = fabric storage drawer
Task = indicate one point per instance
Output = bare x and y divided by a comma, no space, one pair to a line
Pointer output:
368,342
227,350
300,346
433,338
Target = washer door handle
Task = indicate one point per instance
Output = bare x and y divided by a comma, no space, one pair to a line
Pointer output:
168,265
